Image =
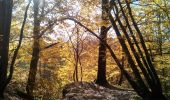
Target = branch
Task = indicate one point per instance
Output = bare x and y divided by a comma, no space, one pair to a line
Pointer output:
134,85
49,46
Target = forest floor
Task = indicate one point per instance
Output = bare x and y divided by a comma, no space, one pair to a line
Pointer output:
10,93
92,91
82,91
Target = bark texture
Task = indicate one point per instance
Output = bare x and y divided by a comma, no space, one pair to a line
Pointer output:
101,74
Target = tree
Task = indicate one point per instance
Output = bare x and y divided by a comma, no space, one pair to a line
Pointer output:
54,59
18,46
5,23
77,49
156,37
101,73
36,50
146,67
39,16
145,90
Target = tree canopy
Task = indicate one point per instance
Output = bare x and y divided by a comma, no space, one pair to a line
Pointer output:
47,44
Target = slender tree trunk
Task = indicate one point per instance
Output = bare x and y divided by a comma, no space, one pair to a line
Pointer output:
151,67
5,25
101,74
77,48
17,48
77,57
160,50
36,50
157,90
121,73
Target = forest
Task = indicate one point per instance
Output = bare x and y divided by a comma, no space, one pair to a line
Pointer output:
84,49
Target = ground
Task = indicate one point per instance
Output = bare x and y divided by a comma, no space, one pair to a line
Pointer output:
80,91
91,91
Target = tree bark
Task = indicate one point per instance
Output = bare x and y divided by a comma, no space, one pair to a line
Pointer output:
5,25
152,89
101,73
18,47
36,50
121,73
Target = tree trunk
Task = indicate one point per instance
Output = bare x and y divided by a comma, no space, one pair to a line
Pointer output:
36,50
101,74
121,73
5,25
33,68
151,90
17,48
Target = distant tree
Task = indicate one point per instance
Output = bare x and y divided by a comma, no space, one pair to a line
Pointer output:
121,73
77,49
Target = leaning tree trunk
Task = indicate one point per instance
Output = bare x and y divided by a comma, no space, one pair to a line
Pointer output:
11,66
5,23
151,89
36,50
101,73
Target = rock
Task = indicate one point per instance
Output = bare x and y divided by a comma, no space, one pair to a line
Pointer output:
92,91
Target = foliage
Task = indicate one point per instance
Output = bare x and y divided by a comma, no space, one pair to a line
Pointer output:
56,64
